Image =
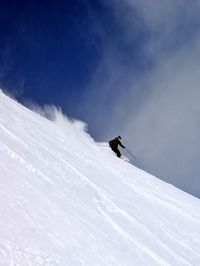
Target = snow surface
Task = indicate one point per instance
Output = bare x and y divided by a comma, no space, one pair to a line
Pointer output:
66,200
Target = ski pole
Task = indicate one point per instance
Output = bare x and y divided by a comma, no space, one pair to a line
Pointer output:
131,154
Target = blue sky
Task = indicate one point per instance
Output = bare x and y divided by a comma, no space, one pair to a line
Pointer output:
124,67
50,52
45,49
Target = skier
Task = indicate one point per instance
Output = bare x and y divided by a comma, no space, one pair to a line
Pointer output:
114,145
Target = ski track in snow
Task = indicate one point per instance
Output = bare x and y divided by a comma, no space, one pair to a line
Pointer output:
111,207
27,165
66,200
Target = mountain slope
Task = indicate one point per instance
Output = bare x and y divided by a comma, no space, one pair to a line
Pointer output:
65,200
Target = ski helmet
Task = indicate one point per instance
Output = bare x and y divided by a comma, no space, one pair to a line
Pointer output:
119,137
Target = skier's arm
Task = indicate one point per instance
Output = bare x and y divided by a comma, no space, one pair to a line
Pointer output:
121,145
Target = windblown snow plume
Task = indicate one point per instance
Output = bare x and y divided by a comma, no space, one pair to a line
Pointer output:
66,200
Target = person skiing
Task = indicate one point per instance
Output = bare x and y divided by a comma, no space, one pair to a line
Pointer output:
114,145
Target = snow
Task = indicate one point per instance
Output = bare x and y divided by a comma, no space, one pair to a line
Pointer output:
66,200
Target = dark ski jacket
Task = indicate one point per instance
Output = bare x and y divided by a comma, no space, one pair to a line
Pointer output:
114,143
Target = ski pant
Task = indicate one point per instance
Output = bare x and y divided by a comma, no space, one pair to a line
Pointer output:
116,151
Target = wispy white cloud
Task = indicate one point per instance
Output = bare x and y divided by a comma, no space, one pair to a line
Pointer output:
156,108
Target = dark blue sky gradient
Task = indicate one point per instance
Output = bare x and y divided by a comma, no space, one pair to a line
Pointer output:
45,48
49,50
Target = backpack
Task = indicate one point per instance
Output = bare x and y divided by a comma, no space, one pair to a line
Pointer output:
111,142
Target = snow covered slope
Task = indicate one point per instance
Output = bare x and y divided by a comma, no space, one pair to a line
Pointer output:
65,200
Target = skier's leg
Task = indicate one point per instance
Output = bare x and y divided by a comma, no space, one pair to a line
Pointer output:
118,153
